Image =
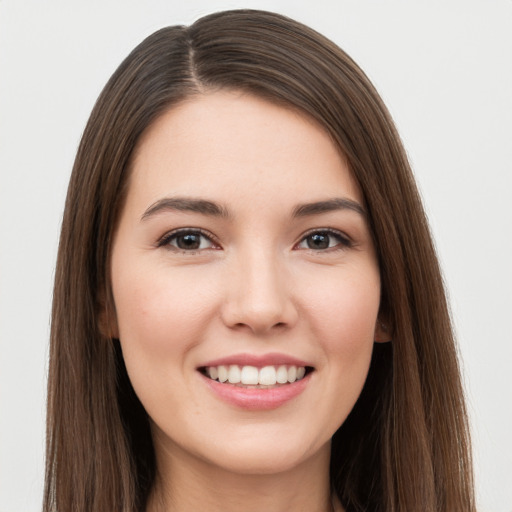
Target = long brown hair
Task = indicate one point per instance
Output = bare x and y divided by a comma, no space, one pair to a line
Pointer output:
405,445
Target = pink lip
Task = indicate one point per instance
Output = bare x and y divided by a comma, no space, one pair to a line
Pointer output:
257,398
270,359
254,399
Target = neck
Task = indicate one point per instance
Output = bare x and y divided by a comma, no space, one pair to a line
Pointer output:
185,483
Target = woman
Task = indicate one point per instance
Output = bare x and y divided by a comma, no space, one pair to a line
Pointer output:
241,226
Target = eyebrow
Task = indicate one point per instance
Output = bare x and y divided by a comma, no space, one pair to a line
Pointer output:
182,204
330,205
210,208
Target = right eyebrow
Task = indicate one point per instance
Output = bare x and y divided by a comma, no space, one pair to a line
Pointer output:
186,204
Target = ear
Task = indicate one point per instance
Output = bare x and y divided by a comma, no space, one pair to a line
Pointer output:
382,331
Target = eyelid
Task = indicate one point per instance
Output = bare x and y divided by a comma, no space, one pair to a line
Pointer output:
165,238
345,240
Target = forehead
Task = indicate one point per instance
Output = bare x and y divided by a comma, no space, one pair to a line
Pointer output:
227,143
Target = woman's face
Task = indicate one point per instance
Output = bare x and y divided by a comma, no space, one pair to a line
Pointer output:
243,252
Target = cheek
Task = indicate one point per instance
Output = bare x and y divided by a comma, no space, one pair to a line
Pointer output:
341,308
161,317
344,311
160,313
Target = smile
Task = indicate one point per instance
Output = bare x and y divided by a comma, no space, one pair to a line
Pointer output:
265,377
257,382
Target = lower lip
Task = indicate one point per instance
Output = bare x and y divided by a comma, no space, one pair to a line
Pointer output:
254,398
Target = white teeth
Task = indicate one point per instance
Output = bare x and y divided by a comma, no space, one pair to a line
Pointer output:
252,376
222,373
282,375
249,375
268,376
234,374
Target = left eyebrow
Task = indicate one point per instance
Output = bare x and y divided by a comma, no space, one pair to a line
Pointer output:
330,205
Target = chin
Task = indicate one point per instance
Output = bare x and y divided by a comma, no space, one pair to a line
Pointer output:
266,459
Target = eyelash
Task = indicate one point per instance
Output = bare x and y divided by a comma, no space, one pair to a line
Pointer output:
166,240
343,241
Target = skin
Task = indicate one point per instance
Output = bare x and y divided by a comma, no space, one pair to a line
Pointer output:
254,285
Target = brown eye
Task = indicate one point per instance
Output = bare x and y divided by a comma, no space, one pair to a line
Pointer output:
187,240
318,241
322,240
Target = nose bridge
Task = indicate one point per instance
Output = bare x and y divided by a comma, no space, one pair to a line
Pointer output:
259,293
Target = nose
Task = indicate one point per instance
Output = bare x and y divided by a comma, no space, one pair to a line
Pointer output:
259,297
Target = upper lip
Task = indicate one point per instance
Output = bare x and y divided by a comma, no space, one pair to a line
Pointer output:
257,360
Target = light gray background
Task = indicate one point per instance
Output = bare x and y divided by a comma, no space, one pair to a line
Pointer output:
443,67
